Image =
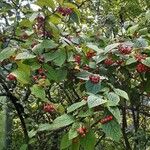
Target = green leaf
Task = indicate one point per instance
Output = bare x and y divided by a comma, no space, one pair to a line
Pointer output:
147,15
48,3
22,73
55,74
121,93
112,129
95,47
73,131
113,99
140,43
87,113
61,75
25,23
24,147
75,146
146,61
111,47
83,75
45,127
130,61
93,88
74,17
89,141
24,55
116,113
6,53
100,58
59,57
133,29
65,142
61,121
38,91
75,106
49,44
32,133
95,100
147,86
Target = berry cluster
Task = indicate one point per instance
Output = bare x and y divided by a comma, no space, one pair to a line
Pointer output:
106,119
48,108
140,57
64,11
11,77
124,49
77,59
94,79
119,62
86,67
90,54
82,131
141,68
108,62
40,27
40,75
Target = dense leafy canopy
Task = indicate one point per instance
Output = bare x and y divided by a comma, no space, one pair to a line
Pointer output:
75,74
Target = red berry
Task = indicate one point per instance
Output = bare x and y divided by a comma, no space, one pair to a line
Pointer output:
90,54
106,119
48,108
86,67
40,71
64,11
119,62
11,77
77,59
82,131
35,78
108,62
124,49
110,117
140,57
94,79
141,68
43,77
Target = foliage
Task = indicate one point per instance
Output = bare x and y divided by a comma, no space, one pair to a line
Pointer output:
76,73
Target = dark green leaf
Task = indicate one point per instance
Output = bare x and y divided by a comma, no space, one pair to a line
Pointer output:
93,88
65,142
89,141
112,129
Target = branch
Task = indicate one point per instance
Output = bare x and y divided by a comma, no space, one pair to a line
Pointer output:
17,106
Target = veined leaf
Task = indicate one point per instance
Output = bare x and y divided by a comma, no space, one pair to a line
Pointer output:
95,100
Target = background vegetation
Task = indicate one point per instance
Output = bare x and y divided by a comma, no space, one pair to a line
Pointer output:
75,74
